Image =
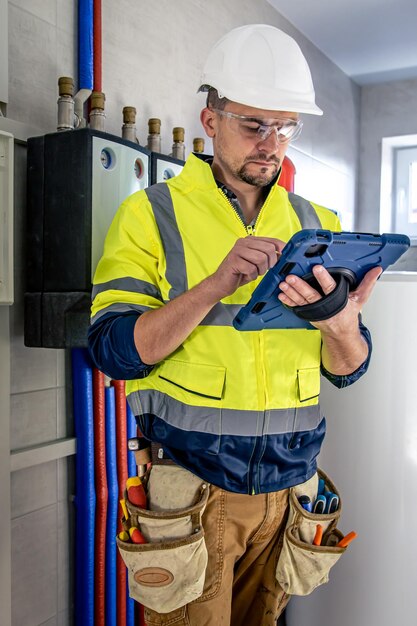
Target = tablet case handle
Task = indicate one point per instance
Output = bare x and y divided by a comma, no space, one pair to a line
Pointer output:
329,305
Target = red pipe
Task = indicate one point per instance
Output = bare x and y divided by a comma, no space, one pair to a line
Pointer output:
97,47
122,476
101,497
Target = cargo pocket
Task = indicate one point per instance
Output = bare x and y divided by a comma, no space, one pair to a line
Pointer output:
168,571
200,387
308,383
303,566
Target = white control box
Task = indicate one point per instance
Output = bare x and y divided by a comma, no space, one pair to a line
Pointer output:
6,218
118,170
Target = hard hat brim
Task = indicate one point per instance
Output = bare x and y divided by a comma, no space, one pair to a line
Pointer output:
269,101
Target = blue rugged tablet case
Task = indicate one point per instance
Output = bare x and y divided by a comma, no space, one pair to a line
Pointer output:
351,254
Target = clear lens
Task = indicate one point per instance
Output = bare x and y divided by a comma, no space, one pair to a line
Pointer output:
259,129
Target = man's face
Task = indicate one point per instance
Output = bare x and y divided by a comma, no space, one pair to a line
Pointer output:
241,151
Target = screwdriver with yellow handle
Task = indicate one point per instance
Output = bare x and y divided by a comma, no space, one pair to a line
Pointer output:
136,492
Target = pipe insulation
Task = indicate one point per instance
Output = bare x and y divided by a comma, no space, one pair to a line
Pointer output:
131,467
97,46
112,507
122,476
101,495
85,497
85,44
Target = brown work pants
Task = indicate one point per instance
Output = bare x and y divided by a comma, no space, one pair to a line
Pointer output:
243,536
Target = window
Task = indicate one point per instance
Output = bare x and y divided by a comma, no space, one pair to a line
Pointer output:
398,210
405,191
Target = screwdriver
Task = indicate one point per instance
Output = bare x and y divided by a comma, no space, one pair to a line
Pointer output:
135,535
347,539
136,491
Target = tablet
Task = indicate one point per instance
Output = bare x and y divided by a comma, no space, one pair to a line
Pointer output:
348,256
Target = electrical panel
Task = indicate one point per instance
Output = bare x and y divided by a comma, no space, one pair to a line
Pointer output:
76,182
164,167
6,218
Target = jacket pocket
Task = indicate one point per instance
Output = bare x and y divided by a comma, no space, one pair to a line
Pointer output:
168,571
199,379
200,388
303,566
308,383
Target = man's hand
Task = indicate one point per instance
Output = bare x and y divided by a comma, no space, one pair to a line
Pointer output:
249,258
343,349
159,332
297,291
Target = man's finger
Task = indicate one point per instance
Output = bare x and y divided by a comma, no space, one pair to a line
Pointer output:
270,248
278,244
325,280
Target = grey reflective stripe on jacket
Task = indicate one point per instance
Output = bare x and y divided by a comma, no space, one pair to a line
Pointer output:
230,421
119,307
305,211
127,284
163,209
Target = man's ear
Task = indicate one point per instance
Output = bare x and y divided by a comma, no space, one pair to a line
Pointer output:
207,118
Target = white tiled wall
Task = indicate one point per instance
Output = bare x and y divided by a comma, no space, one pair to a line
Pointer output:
41,518
41,495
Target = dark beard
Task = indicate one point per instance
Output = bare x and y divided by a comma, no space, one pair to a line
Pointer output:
257,180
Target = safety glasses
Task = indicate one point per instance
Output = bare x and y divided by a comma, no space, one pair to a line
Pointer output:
259,129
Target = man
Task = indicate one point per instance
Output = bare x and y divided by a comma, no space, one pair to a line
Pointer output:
238,410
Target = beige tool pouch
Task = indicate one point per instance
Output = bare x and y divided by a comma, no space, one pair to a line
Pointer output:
168,571
303,566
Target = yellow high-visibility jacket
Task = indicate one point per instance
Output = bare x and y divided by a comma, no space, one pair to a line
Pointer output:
239,409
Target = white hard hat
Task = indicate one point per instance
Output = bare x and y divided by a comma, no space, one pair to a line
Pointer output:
263,67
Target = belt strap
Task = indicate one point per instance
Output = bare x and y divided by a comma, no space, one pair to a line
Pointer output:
159,455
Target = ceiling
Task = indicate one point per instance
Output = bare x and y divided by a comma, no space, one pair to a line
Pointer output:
370,40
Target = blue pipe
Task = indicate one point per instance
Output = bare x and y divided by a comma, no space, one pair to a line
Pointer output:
85,497
131,466
112,506
85,44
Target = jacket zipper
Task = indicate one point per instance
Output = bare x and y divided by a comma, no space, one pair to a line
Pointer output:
258,448
250,228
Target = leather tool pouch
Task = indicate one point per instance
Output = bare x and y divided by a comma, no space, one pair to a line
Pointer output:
303,566
168,571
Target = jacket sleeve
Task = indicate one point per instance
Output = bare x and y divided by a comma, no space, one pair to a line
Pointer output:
112,347
126,284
